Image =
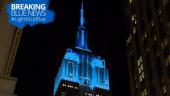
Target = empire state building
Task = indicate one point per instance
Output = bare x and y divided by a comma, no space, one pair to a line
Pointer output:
82,73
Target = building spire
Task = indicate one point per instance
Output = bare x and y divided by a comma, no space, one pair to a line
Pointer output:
81,42
82,19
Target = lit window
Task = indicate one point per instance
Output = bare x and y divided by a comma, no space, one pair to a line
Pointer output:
152,23
139,61
145,34
166,41
135,21
130,1
144,92
155,38
141,76
133,17
70,86
129,39
140,69
76,87
164,89
134,30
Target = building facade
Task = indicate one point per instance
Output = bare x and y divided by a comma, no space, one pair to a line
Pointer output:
82,73
9,40
148,46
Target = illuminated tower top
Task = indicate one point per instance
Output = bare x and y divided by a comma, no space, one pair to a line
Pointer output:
82,19
81,42
81,66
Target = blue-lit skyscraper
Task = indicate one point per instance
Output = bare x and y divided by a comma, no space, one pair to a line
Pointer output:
82,72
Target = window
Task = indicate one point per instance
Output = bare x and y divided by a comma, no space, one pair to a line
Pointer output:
130,1
76,87
164,89
133,17
144,92
64,85
141,76
140,69
129,38
134,30
145,35
155,37
166,41
102,76
152,23
70,66
139,61
70,86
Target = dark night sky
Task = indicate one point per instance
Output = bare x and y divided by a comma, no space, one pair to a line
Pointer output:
42,47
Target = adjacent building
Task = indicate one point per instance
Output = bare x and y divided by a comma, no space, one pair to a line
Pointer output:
148,46
9,40
82,73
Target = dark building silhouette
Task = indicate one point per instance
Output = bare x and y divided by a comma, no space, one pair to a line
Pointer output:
82,73
9,41
148,48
